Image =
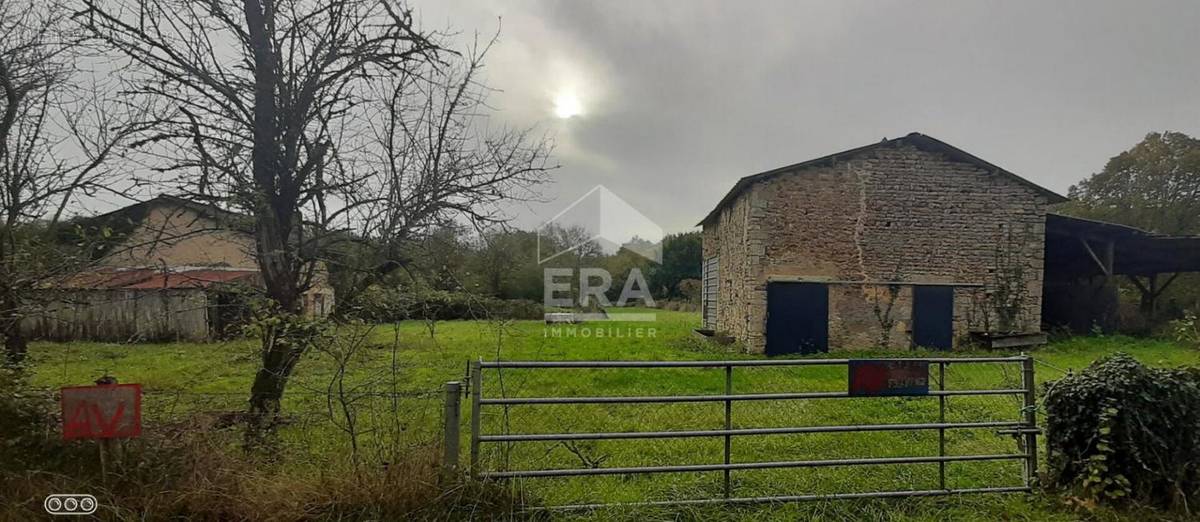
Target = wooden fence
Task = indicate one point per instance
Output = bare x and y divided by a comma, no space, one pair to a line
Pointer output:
122,315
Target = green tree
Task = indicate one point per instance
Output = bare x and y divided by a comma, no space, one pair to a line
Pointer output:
681,255
1155,186
621,265
505,263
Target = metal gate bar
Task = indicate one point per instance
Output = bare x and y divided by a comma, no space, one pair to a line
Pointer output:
1025,429
722,364
745,465
730,397
795,498
529,437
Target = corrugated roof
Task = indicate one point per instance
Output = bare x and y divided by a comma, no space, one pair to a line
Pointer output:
918,140
150,279
195,279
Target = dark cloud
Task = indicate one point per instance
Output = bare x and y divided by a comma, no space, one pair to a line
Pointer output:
682,98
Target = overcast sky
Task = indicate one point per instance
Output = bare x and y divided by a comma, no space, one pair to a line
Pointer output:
678,99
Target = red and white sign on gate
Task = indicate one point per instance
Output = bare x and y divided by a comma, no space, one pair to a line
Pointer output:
106,411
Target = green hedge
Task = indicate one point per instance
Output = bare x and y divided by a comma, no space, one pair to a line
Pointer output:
394,304
1121,431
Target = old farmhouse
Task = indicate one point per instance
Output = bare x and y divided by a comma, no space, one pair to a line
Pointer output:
178,270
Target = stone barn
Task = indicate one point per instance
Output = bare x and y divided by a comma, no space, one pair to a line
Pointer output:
909,242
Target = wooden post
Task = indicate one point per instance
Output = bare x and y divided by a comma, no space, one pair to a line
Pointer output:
110,449
450,428
1109,259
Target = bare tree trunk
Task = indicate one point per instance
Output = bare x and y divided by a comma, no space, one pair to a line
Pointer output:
15,345
281,350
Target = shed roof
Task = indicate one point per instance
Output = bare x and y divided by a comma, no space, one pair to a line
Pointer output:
156,279
1135,251
916,139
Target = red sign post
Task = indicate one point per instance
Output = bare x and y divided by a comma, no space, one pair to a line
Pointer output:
106,411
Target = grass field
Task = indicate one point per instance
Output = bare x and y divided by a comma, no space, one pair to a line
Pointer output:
403,379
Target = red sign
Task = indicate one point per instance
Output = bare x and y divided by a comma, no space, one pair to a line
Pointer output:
884,377
107,411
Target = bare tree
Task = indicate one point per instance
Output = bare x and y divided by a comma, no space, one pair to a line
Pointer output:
268,106
442,162
57,137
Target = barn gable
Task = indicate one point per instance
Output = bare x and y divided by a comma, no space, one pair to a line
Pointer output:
915,139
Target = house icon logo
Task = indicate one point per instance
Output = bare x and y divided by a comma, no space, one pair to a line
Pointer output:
599,220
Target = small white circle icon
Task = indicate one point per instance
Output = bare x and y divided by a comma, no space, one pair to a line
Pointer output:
70,504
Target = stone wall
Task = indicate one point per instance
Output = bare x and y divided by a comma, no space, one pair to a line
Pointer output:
730,241
173,235
889,214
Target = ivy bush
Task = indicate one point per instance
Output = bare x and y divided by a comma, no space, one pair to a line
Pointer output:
1119,431
1187,329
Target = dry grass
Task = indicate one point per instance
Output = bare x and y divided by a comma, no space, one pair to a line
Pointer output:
195,471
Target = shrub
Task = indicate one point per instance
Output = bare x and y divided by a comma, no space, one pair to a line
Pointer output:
1121,431
397,304
29,431
1186,329
691,290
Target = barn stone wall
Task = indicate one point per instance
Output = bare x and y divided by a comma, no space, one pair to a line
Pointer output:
889,214
732,243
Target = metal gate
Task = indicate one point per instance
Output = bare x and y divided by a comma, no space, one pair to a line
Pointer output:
1022,427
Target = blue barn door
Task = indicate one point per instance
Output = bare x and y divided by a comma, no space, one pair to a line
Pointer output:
797,318
933,317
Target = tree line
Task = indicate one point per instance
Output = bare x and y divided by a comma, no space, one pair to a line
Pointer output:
509,264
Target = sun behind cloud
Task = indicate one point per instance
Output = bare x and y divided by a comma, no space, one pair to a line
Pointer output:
567,105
